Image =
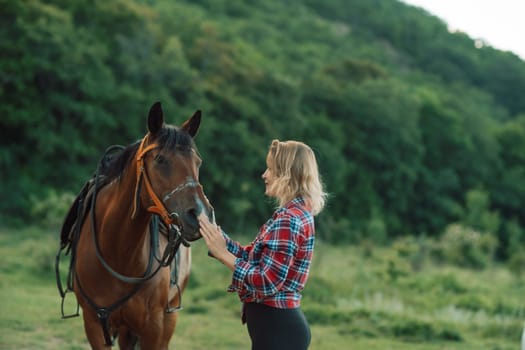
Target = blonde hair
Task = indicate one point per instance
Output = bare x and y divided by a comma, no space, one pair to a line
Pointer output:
296,174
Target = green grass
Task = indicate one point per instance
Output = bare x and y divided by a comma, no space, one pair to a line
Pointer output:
357,298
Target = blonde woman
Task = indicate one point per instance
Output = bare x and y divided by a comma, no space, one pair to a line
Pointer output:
270,273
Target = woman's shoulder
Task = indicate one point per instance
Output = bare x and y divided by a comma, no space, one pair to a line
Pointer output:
297,207
295,211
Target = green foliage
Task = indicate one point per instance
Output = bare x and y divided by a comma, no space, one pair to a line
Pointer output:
415,250
466,247
507,190
516,263
50,210
477,213
421,331
349,299
320,290
414,127
473,302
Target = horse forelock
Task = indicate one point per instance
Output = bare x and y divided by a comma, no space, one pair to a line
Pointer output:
169,138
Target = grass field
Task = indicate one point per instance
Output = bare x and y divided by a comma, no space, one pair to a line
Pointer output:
358,297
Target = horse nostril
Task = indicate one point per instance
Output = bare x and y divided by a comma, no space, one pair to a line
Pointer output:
192,213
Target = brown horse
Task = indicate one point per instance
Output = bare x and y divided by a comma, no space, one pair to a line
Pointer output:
120,256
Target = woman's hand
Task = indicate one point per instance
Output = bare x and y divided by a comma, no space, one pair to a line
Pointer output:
215,241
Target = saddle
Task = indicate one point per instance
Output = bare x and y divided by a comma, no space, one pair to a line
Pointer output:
77,212
76,215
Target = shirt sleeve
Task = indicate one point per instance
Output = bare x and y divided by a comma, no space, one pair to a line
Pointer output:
234,247
266,276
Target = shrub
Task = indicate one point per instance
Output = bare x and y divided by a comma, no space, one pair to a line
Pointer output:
414,330
474,303
320,290
465,247
326,315
478,214
338,230
418,330
449,283
397,268
376,229
516,263
41,255
51,210
415,250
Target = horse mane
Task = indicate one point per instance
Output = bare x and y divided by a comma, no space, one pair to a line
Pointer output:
168,138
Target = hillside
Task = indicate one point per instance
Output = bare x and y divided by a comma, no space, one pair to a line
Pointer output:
415,128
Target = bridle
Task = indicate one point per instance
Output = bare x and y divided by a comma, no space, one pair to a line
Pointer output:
159,208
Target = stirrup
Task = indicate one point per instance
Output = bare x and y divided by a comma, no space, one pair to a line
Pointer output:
64,316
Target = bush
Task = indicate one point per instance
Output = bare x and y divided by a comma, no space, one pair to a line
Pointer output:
465,247
415,250
328,315
51,210
397,268
417,331
516,263
320,290
376,229
474,303
337,230
42,252
448,282
478,214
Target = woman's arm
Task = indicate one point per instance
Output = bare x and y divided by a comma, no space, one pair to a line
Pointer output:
268,276
216,242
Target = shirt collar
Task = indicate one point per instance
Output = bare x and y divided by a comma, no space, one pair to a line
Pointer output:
296,202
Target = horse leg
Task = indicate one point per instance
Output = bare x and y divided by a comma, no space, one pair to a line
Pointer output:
158,338
126,339
94,331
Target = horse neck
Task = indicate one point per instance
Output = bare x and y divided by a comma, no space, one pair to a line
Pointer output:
120,235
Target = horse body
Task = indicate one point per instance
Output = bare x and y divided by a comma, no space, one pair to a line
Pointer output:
120,281
128,254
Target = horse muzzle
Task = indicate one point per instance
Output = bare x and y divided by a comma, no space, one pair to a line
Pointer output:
189,222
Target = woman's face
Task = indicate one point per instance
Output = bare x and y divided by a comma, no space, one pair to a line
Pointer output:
268,178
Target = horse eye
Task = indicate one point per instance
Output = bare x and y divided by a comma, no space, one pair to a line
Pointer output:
160,159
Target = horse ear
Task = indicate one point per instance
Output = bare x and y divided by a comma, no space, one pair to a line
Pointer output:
155,118
191,126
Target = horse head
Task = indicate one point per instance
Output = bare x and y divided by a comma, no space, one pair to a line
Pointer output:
168,165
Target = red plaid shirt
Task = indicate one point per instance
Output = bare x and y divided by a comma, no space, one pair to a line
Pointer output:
273,269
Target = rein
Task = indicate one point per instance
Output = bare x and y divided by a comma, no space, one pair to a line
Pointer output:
174,234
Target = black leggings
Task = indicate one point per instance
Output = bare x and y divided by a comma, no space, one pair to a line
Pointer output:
275,329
